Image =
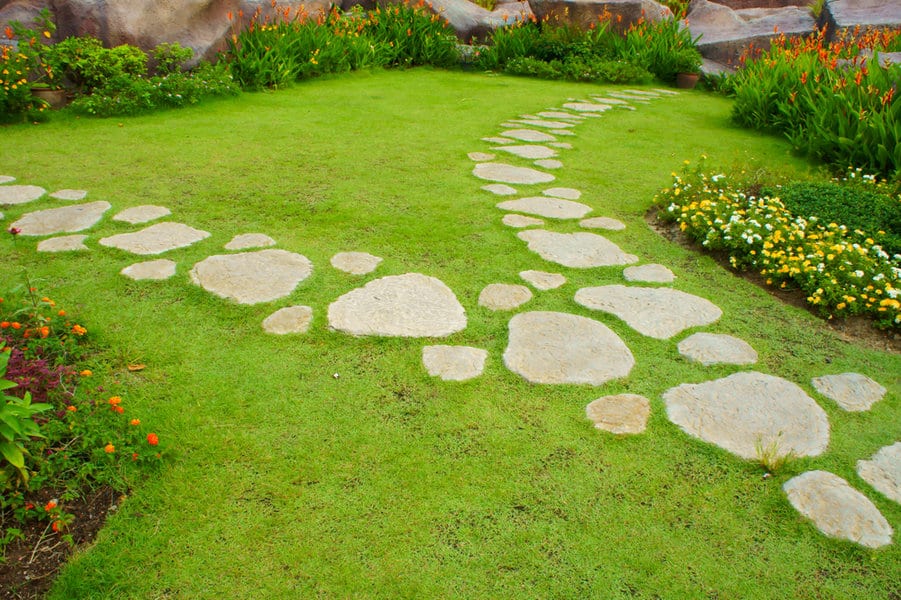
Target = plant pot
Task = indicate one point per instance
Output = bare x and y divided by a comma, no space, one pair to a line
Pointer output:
54,98
686,81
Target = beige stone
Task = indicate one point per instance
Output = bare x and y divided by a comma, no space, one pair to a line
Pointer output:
543,123
156,239
520,221
528,135
552,208
252,277
66,243
883,471
20,194
499,189
291,319
852,391
69,195
579,250
715,348
6,179
552,114
504,173
549,163
454,363
245,241
142,214
542,280
587,106
502,296
623,413
480,156
563,192
650,273
355,263
154,270
531,151
66,219
602,223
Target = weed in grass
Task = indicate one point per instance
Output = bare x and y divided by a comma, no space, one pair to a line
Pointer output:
771,456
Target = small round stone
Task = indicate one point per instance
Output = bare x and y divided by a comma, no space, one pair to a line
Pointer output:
155,270
66,243
542,280
480,156
883,471
499,189
504,173
552,208
70,195
714,348
250,240
66,219
501,296
549,163
156,239
252,277
355,263
528,135
520,221
563,192
454,363
291,319
602,223
20,194
852,391
650,273
577,250
623,413
142,214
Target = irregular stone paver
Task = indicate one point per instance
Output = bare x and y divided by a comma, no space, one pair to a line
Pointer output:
602,223
659,313
520,221
563,192
559,125
650,273
542,280
66,219
71,195
244,241
549,163
623,413
252,277
560,348
553,208
749,412
587,106
20,194
552,114
497,140
666,92
528,135
852,391
562,132
837,509
609,101
499,189
716,348
156,239
152,269
454,363
66,243
6,179
561,145
509,174
291,319
529,151
142,214
646,93
410,305
883,471
579,250
480,156
502,296
629,97
355,263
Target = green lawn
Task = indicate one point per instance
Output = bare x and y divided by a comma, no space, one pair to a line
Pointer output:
286,482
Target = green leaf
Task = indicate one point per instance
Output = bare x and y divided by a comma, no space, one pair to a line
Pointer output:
13,454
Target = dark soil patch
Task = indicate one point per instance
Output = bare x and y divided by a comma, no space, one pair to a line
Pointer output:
859,330
32,563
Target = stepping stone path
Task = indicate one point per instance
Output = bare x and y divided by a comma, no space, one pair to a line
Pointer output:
602,223
521,221
542,280
252,277
291,319
714,348
70,195
156,239
154,270
20,194
564,193
250,240
454,363
67,219
355,263
142,214
528,135
502,296
503,173
837,509
499,189
552,208
883,471
66,243
530,151
852,391
624,413
577,250
651,273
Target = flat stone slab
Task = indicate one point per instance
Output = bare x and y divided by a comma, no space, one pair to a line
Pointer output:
497,140
646,93
520,221
549,163
563,192
543,123
650,273
528,135
883,471
553,114
629,97
156,270
561,145
410,305
562,132
659,313
6,179
578,250
454,363
587,107
355,263
480,156
560,348
531,151
837,509
504,173
66,243
66,219
620,414
609,101
244,241
20,194
252,277
503,296
542,280
602,223
142,214
746,413
70,195
716,348
156,239
291,319
852,391
499,189
552,208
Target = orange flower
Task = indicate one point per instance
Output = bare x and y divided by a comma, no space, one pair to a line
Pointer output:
45,331
115,400
9,32
804,78
109,448
135,422
117,409
152,439
57,525
86,373
858,77
50,505
78,330
61,313
134,456
71,408
16,325
4,324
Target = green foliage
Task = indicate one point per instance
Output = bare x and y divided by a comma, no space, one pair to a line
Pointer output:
23,62
89,65
169,58
16,428
576,68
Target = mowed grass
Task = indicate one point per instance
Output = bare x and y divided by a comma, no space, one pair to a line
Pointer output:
329,466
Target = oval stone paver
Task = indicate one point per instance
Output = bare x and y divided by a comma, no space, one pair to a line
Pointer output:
6,179
20,194
852,391
560,348
249,240
837,509
553,114
410,305
497,140
542,280
578,250
520,221
528,135
531,151
609,101
504,173
561,145
252,277
454,363
480,156
563,192
69,195
66,243
552,208
659,313
66,219
355,263
549,163
155,270
142,214
499,189
587,106
544,124
291,319
883,471
650,273
746,413
562,132
602,223
156,239
502,296
716,348
623,413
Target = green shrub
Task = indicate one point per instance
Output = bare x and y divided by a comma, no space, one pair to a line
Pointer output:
171,57
89,65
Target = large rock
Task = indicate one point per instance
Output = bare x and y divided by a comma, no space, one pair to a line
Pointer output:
585,12
846,14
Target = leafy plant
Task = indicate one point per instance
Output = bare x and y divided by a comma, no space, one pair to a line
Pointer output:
16,427
771,457
170,58
89,65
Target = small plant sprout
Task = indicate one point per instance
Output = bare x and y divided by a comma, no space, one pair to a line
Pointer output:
771,456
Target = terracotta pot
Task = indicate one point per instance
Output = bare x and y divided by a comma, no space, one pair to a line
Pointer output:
55,98
686,81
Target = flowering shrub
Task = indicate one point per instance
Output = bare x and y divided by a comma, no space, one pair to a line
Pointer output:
23,62
842,271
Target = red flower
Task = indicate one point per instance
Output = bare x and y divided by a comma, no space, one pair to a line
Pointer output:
50,506
153,439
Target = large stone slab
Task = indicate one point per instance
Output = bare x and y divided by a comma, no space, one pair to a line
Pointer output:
549,163
837,509
503,296
355,263
883,471
410,305
607,223
578,250
659,313
852,391
154,270
552,114
520,221
530,151
142,214
66,219
252,277
20,194
620,414
650,273
499,189
542,280
563,192
156,239
544,124
245,241
454,363
480,156
588,107
504,173
716,348
528,135
749,413
65,243
552,208
847,14
291,319
6,179
585,13
560,348
69,195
